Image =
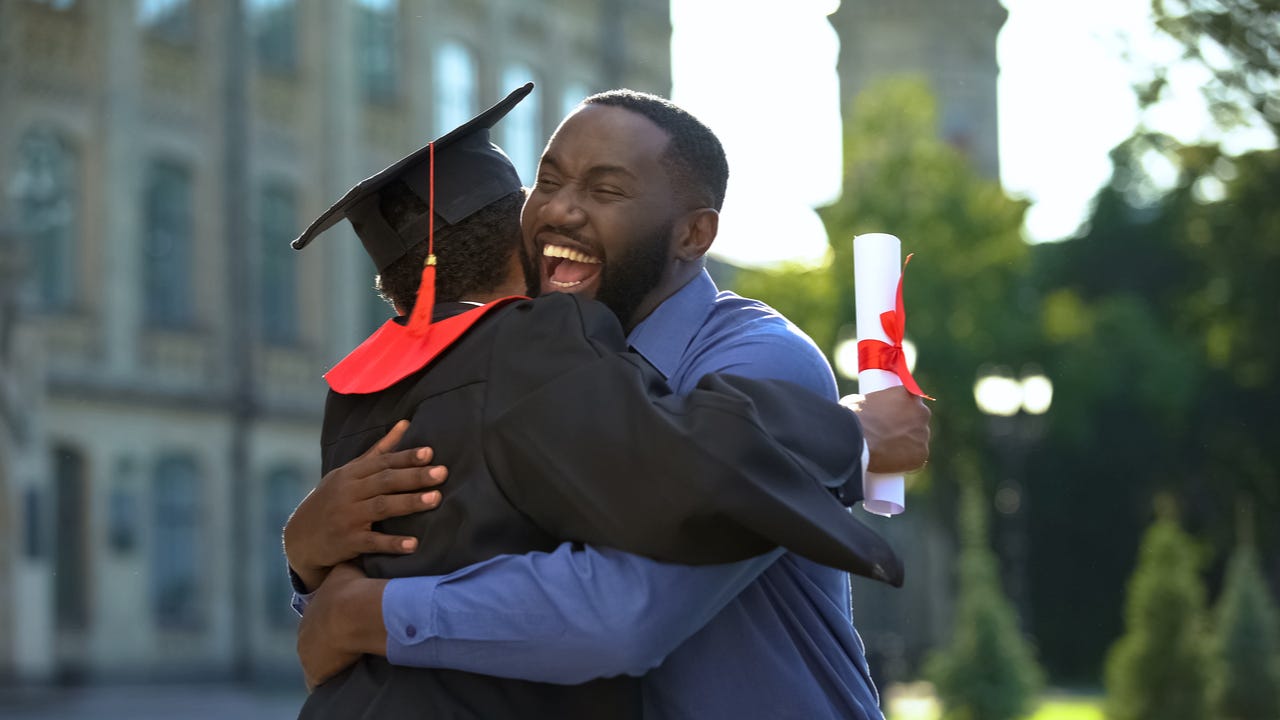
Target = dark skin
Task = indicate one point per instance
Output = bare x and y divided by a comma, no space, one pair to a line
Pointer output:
600,184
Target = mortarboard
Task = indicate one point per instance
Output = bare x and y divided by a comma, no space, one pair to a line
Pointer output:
472,173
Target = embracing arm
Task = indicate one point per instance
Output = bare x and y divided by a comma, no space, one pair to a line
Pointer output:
568,616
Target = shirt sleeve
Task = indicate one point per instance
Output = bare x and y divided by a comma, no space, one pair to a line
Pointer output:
568,616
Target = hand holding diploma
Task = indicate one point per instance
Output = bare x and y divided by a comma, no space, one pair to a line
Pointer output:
895,422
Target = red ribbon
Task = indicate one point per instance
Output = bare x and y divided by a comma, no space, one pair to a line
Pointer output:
879,355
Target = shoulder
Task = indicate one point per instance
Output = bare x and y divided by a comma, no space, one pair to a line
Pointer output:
554,331
560,314
746,337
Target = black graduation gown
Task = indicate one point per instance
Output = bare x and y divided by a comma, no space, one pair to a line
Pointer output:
552,432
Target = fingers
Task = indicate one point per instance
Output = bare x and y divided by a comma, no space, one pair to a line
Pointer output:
381,507
376,542
390,481
388,441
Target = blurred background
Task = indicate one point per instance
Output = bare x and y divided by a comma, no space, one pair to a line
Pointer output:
1090,189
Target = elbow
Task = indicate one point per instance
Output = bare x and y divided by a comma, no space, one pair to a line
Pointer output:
635,651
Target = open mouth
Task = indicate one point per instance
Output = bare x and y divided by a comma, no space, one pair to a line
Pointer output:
566,268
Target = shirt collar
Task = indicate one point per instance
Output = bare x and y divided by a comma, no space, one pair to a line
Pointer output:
665,334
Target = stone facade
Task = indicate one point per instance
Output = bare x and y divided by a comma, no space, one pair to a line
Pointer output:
161,349
951,44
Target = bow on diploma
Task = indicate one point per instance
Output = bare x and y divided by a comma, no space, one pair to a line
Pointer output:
879,355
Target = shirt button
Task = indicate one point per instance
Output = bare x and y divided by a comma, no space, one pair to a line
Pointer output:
411,632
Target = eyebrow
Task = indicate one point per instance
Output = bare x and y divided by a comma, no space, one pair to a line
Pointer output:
549,161
610,170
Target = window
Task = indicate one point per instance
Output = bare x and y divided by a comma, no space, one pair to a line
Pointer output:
283,491
169,20
167,217
455,86
377,49
273,26
521,135
45,194
278,276
175,543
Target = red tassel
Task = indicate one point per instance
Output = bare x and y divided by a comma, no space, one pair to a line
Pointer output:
420,320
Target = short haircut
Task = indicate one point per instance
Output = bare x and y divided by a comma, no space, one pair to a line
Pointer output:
472,256
694,159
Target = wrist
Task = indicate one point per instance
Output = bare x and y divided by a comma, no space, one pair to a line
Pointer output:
310,578
361,607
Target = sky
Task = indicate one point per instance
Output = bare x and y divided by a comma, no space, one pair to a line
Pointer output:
1067,71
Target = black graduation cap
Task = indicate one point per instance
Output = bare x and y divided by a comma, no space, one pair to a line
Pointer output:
469,173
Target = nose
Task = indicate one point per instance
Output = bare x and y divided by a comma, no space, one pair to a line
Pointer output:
562,209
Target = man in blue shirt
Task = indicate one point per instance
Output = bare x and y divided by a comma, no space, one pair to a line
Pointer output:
624,209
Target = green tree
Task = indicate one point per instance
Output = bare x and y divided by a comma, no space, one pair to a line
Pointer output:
968,298
1245,682
1156,671
988,671
1158,323
1238,41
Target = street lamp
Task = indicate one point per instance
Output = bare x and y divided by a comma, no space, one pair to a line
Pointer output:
1014,406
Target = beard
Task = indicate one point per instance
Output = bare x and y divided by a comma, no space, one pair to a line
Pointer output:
532,274
629,278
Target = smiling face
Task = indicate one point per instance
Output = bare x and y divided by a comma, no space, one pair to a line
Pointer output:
603,216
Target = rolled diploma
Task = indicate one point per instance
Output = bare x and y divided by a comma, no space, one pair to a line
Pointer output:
877,265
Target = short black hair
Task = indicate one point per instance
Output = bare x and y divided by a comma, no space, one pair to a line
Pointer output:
472,256
694,159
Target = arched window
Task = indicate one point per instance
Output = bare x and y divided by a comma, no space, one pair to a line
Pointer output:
278,276
282,492
45,191
455,86
521,129
169,20
167,245
274,26
377,48
176,560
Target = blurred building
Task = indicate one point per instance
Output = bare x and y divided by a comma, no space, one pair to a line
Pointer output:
952,45
161,347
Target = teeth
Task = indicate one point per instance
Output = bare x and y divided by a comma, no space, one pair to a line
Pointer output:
559,284
560,251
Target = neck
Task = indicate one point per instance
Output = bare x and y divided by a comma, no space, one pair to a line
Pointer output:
679,277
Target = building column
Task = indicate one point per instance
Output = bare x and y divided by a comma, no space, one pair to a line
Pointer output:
119,177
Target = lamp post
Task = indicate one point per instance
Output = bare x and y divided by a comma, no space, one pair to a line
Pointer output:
1015,407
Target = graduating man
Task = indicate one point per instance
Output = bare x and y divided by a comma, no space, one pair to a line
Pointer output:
511,389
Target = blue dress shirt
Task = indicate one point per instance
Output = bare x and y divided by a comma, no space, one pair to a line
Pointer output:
771,637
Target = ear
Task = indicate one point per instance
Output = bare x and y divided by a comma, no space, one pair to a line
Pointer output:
700,227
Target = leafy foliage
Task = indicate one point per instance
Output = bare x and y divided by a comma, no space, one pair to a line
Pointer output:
1156,670
1245,681
988,672
1239,42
